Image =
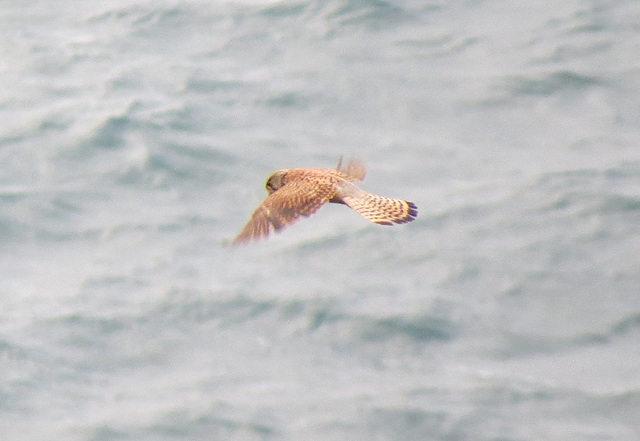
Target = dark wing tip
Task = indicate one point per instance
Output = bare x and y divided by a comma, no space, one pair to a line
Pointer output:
412,213
413,210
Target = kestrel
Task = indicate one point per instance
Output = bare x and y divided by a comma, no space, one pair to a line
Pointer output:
302,191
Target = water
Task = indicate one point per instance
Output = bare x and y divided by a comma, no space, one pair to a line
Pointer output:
135,139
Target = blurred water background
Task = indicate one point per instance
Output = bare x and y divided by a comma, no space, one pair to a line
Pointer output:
135,140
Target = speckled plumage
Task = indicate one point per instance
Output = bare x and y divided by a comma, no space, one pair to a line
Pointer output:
302,191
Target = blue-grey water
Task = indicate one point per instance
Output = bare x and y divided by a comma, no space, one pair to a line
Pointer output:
135,140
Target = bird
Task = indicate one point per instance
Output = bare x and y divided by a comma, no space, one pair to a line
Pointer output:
301,192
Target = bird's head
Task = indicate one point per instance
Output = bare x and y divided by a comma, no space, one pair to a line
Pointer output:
276,181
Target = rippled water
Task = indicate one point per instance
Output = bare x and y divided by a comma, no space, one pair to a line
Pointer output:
135,140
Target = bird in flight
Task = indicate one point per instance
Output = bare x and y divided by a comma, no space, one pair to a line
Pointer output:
302,191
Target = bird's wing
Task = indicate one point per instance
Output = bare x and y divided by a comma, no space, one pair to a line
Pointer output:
354,168
378,209
283,207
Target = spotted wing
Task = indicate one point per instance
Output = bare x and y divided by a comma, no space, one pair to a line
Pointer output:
378,209
284,207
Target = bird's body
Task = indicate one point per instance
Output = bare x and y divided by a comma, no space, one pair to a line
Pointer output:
302,191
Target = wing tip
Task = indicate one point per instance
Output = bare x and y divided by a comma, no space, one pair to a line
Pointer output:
410,216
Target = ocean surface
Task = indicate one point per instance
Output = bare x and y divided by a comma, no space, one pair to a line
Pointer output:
135,142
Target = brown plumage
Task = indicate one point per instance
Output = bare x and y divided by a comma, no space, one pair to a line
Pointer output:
302,191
